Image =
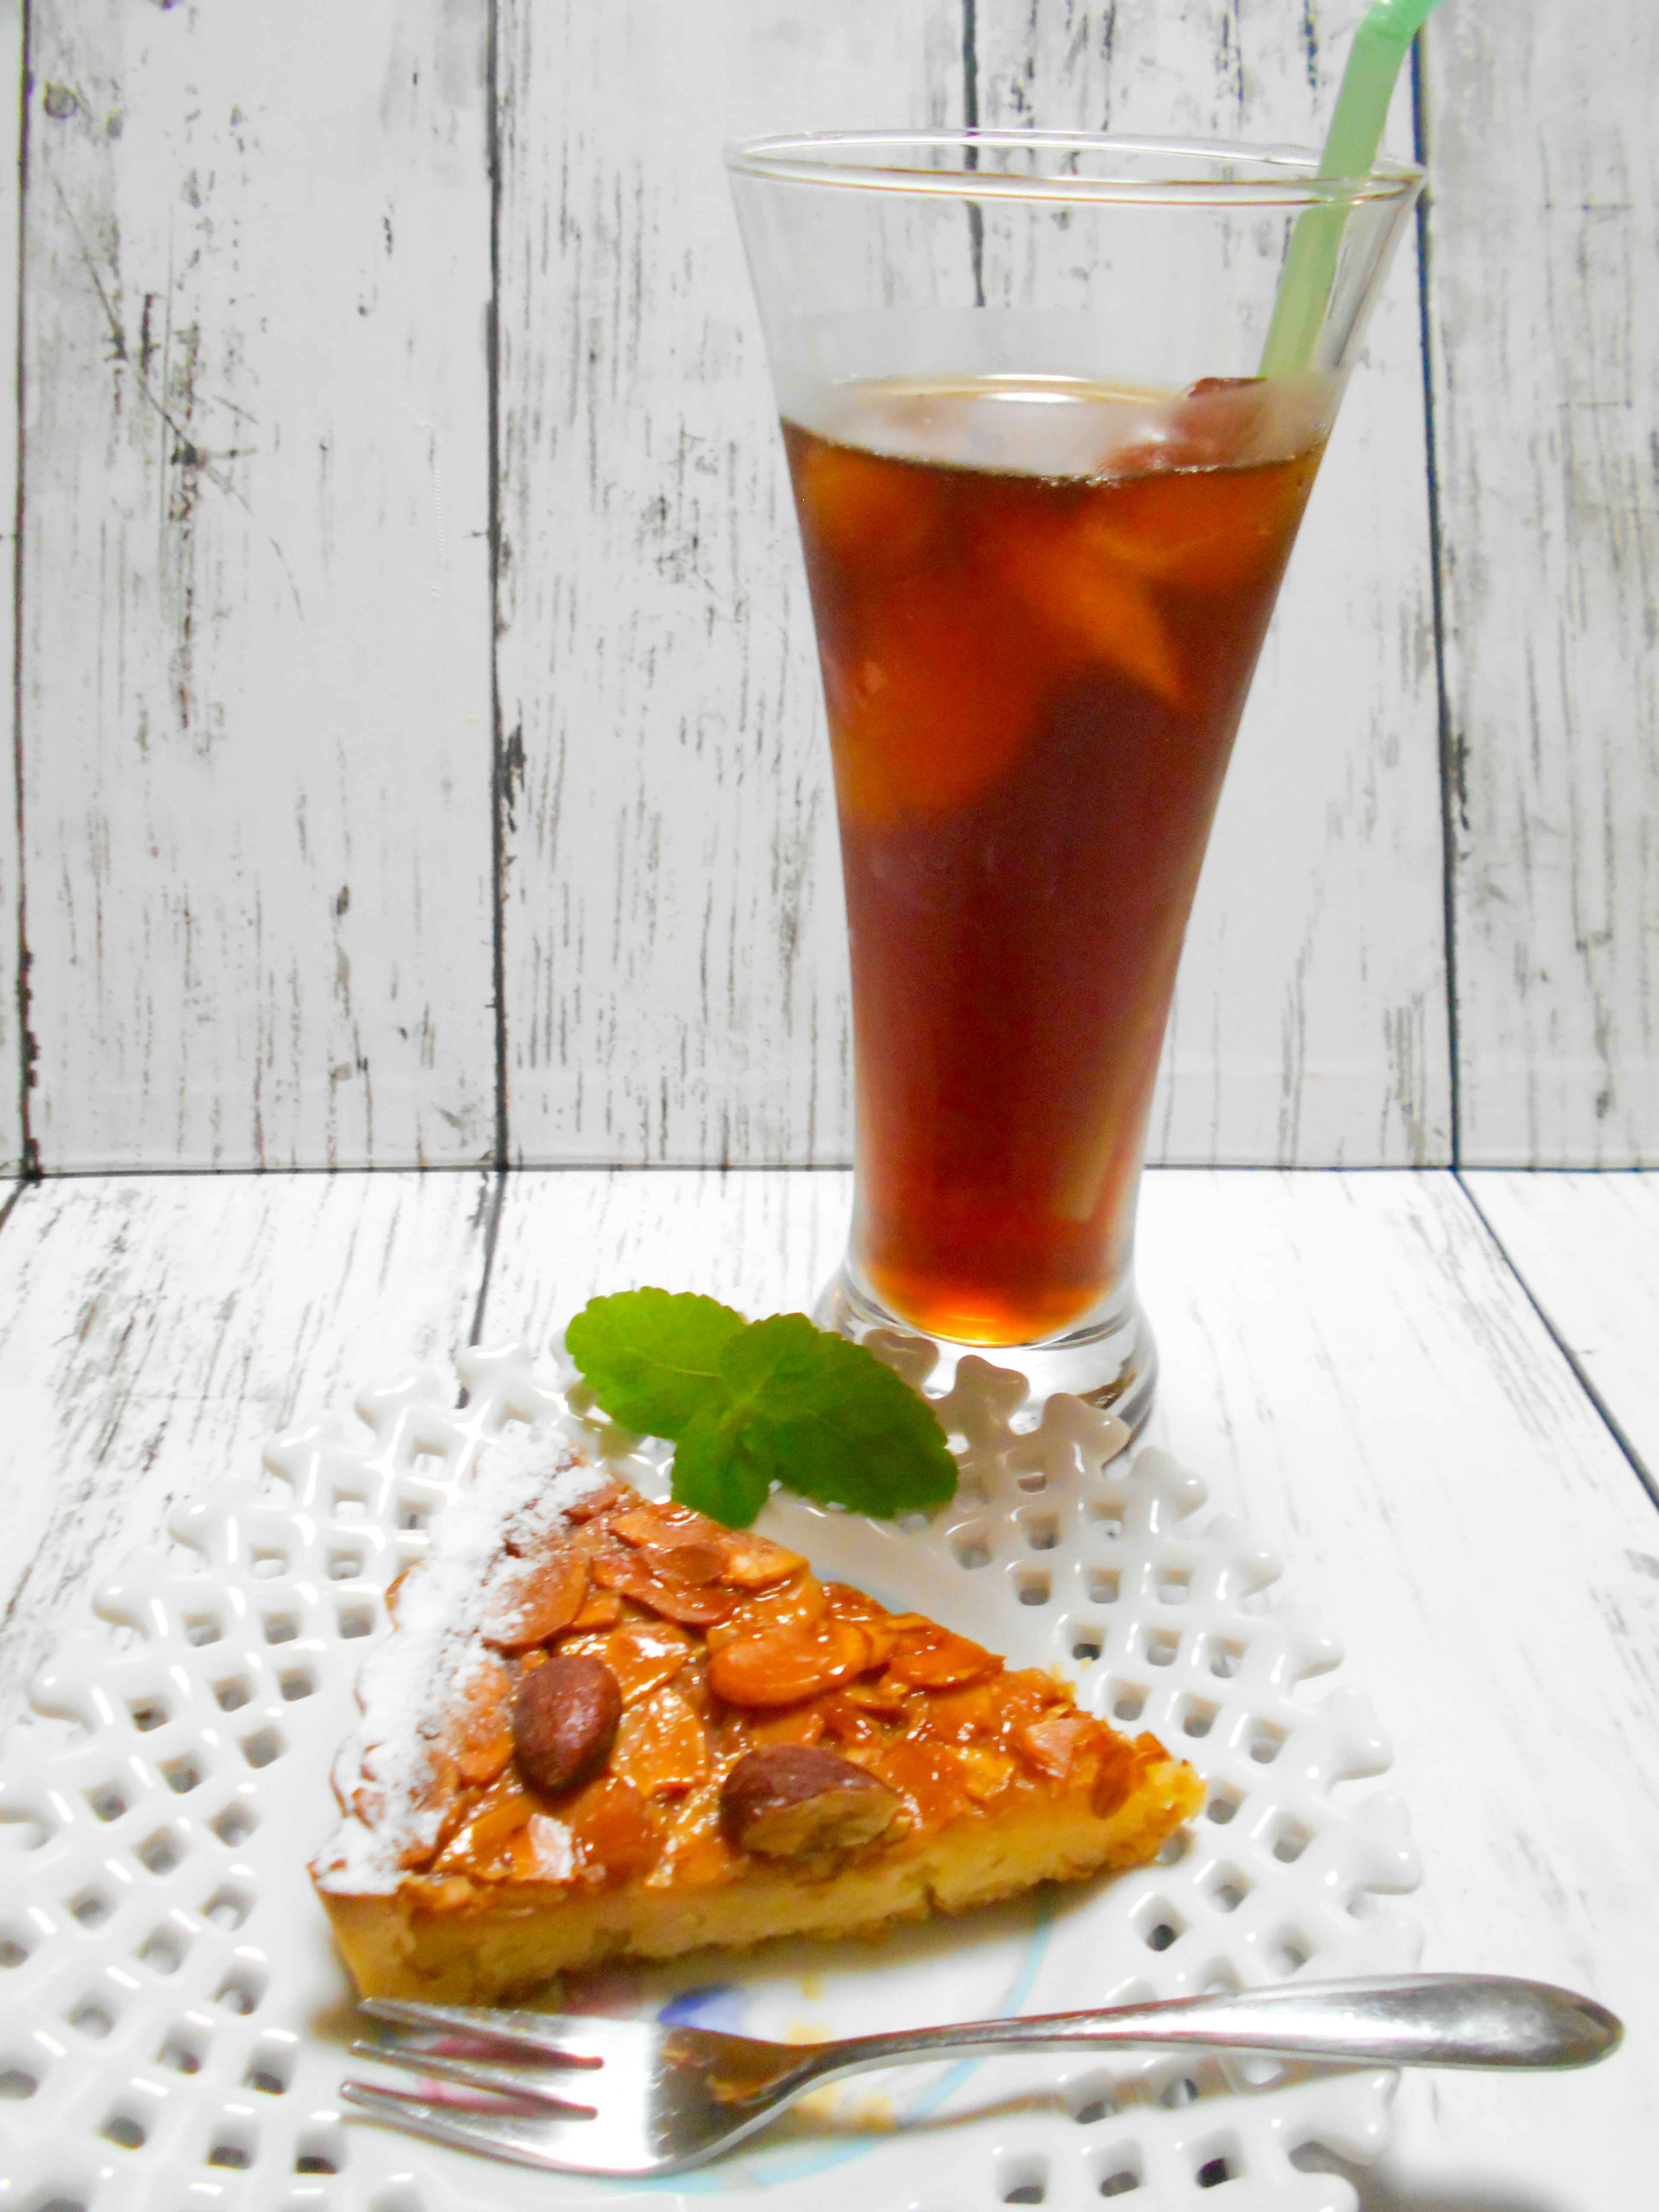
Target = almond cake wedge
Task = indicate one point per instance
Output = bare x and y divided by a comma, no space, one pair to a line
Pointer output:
607,1727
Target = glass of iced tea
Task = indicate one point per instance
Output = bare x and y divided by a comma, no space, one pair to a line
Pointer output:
1045,494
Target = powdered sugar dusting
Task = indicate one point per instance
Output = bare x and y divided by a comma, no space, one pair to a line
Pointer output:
523,1488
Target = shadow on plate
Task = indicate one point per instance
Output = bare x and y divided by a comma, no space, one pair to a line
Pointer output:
1380,2189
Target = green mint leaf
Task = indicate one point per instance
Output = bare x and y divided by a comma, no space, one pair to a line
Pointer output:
831,1420
748,1404
714,1473
651,1358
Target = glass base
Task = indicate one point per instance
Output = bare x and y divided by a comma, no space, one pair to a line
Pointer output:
1111,1361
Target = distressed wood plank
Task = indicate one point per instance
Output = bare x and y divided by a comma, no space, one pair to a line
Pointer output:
1309,1019
675,973
11,74
1352,1358
1587,1248
1545,325
763,1241
255,658
155,1330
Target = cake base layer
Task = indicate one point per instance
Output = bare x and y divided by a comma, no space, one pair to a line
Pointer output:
507,1938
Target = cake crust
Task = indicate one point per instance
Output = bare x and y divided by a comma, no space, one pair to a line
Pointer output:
926,1777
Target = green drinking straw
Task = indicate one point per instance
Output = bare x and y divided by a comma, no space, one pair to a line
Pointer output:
1379,45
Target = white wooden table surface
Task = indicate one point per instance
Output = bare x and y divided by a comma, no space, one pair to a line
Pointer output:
1354,1360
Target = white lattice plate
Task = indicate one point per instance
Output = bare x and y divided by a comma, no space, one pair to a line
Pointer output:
173,2019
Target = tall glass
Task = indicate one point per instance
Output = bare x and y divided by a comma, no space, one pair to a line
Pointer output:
1046,497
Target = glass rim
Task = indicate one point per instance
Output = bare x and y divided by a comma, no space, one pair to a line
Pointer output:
828,158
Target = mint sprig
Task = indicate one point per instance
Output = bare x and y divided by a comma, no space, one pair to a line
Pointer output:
748,1404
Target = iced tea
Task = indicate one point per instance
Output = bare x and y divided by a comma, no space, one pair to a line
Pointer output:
1039,604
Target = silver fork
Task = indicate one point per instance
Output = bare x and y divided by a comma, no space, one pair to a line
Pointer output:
623,2097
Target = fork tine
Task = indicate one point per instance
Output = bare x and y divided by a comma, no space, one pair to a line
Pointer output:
496,2080
530,2142
545,2035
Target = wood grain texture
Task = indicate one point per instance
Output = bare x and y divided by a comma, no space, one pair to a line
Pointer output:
1587,1248
255,726
1546,346
1310,1022
763,1241
11,74
675,971
155,1330
1353,1360
255,658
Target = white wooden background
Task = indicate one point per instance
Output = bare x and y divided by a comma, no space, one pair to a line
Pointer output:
418,736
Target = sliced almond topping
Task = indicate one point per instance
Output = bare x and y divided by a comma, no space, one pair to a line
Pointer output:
932,1777
626,1572
601,1499
552,1848
847,1724
435,1782
1121,1766
364,1804
666,1527
501,1818
1054,1747
643,1657
695,1565
481,1737
754,1562
958,1716
886,1696
600,1608
654,1656
846,1603
788,1665
936,1659
849,1604
694,1851
1021,1701
482,1762
795,1604
660,1748
613,1830
987,1774
794,1724
534,1600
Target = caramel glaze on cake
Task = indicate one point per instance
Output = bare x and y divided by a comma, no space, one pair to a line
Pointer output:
720,1748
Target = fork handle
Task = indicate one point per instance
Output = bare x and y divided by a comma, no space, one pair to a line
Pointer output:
1401,2020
